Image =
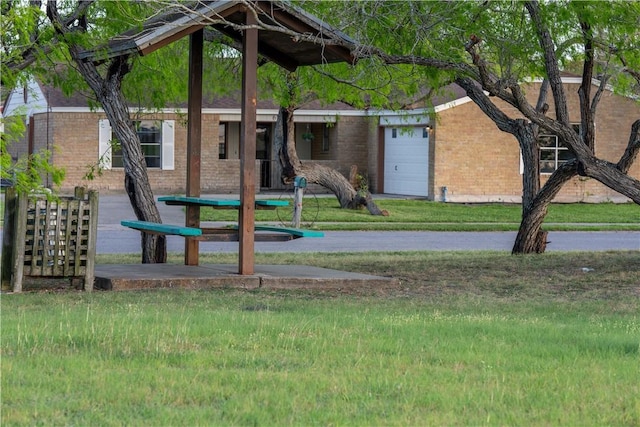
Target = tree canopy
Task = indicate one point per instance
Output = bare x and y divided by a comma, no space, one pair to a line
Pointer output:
404,50
431,40
492,49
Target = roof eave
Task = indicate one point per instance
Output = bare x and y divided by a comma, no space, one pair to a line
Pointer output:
160,33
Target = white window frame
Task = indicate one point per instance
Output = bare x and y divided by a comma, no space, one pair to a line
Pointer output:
167,160
557,147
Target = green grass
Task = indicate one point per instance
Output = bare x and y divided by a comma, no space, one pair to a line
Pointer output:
411,214
468,339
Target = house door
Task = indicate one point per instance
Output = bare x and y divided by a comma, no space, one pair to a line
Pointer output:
406,161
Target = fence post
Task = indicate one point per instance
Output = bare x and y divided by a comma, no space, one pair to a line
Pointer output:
8,237
91,241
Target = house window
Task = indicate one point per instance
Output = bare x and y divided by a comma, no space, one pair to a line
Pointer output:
394,133
156,141
553,153
222,141
150,134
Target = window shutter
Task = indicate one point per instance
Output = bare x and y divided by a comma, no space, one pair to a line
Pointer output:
104,144
168,137
521,164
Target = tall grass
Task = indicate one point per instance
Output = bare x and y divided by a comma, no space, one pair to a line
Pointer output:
472,339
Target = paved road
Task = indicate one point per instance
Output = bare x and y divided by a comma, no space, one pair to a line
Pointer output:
113,238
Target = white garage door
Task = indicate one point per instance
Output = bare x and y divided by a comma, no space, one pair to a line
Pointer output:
406,161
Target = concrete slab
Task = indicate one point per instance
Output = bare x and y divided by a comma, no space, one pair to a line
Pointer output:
156,276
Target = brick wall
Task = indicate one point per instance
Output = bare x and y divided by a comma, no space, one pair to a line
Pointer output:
478,162
76,138
352,137
374,158
472,157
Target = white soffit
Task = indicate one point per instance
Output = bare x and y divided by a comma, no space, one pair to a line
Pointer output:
404,118
233,115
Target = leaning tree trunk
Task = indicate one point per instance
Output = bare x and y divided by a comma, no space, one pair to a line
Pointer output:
136,179
338,184
530,239
109,93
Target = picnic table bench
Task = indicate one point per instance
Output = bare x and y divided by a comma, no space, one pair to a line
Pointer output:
159,228
220,234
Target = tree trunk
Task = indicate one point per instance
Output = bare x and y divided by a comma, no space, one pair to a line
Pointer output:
108,91
136,179
338,184
610,175
530,238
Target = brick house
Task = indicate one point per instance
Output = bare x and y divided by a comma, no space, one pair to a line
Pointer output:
335,135
464,157
425,152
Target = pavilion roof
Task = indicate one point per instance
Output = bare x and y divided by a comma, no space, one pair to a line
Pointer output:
319,42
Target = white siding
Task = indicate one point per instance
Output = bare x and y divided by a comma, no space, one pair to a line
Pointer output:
35,101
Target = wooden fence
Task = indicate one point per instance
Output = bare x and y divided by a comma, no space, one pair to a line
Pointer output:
49,237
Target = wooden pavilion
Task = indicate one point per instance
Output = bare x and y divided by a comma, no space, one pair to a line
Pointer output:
275,30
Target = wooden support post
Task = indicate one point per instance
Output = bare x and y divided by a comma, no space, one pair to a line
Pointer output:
194,143
246,219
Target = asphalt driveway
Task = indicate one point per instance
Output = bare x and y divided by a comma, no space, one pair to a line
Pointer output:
114,238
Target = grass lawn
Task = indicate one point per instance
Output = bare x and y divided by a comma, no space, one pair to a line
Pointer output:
478,338
410,214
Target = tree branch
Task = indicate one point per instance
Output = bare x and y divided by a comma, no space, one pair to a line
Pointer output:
584,93
38,47
504,122
633,147
633,73
464,69
550,62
